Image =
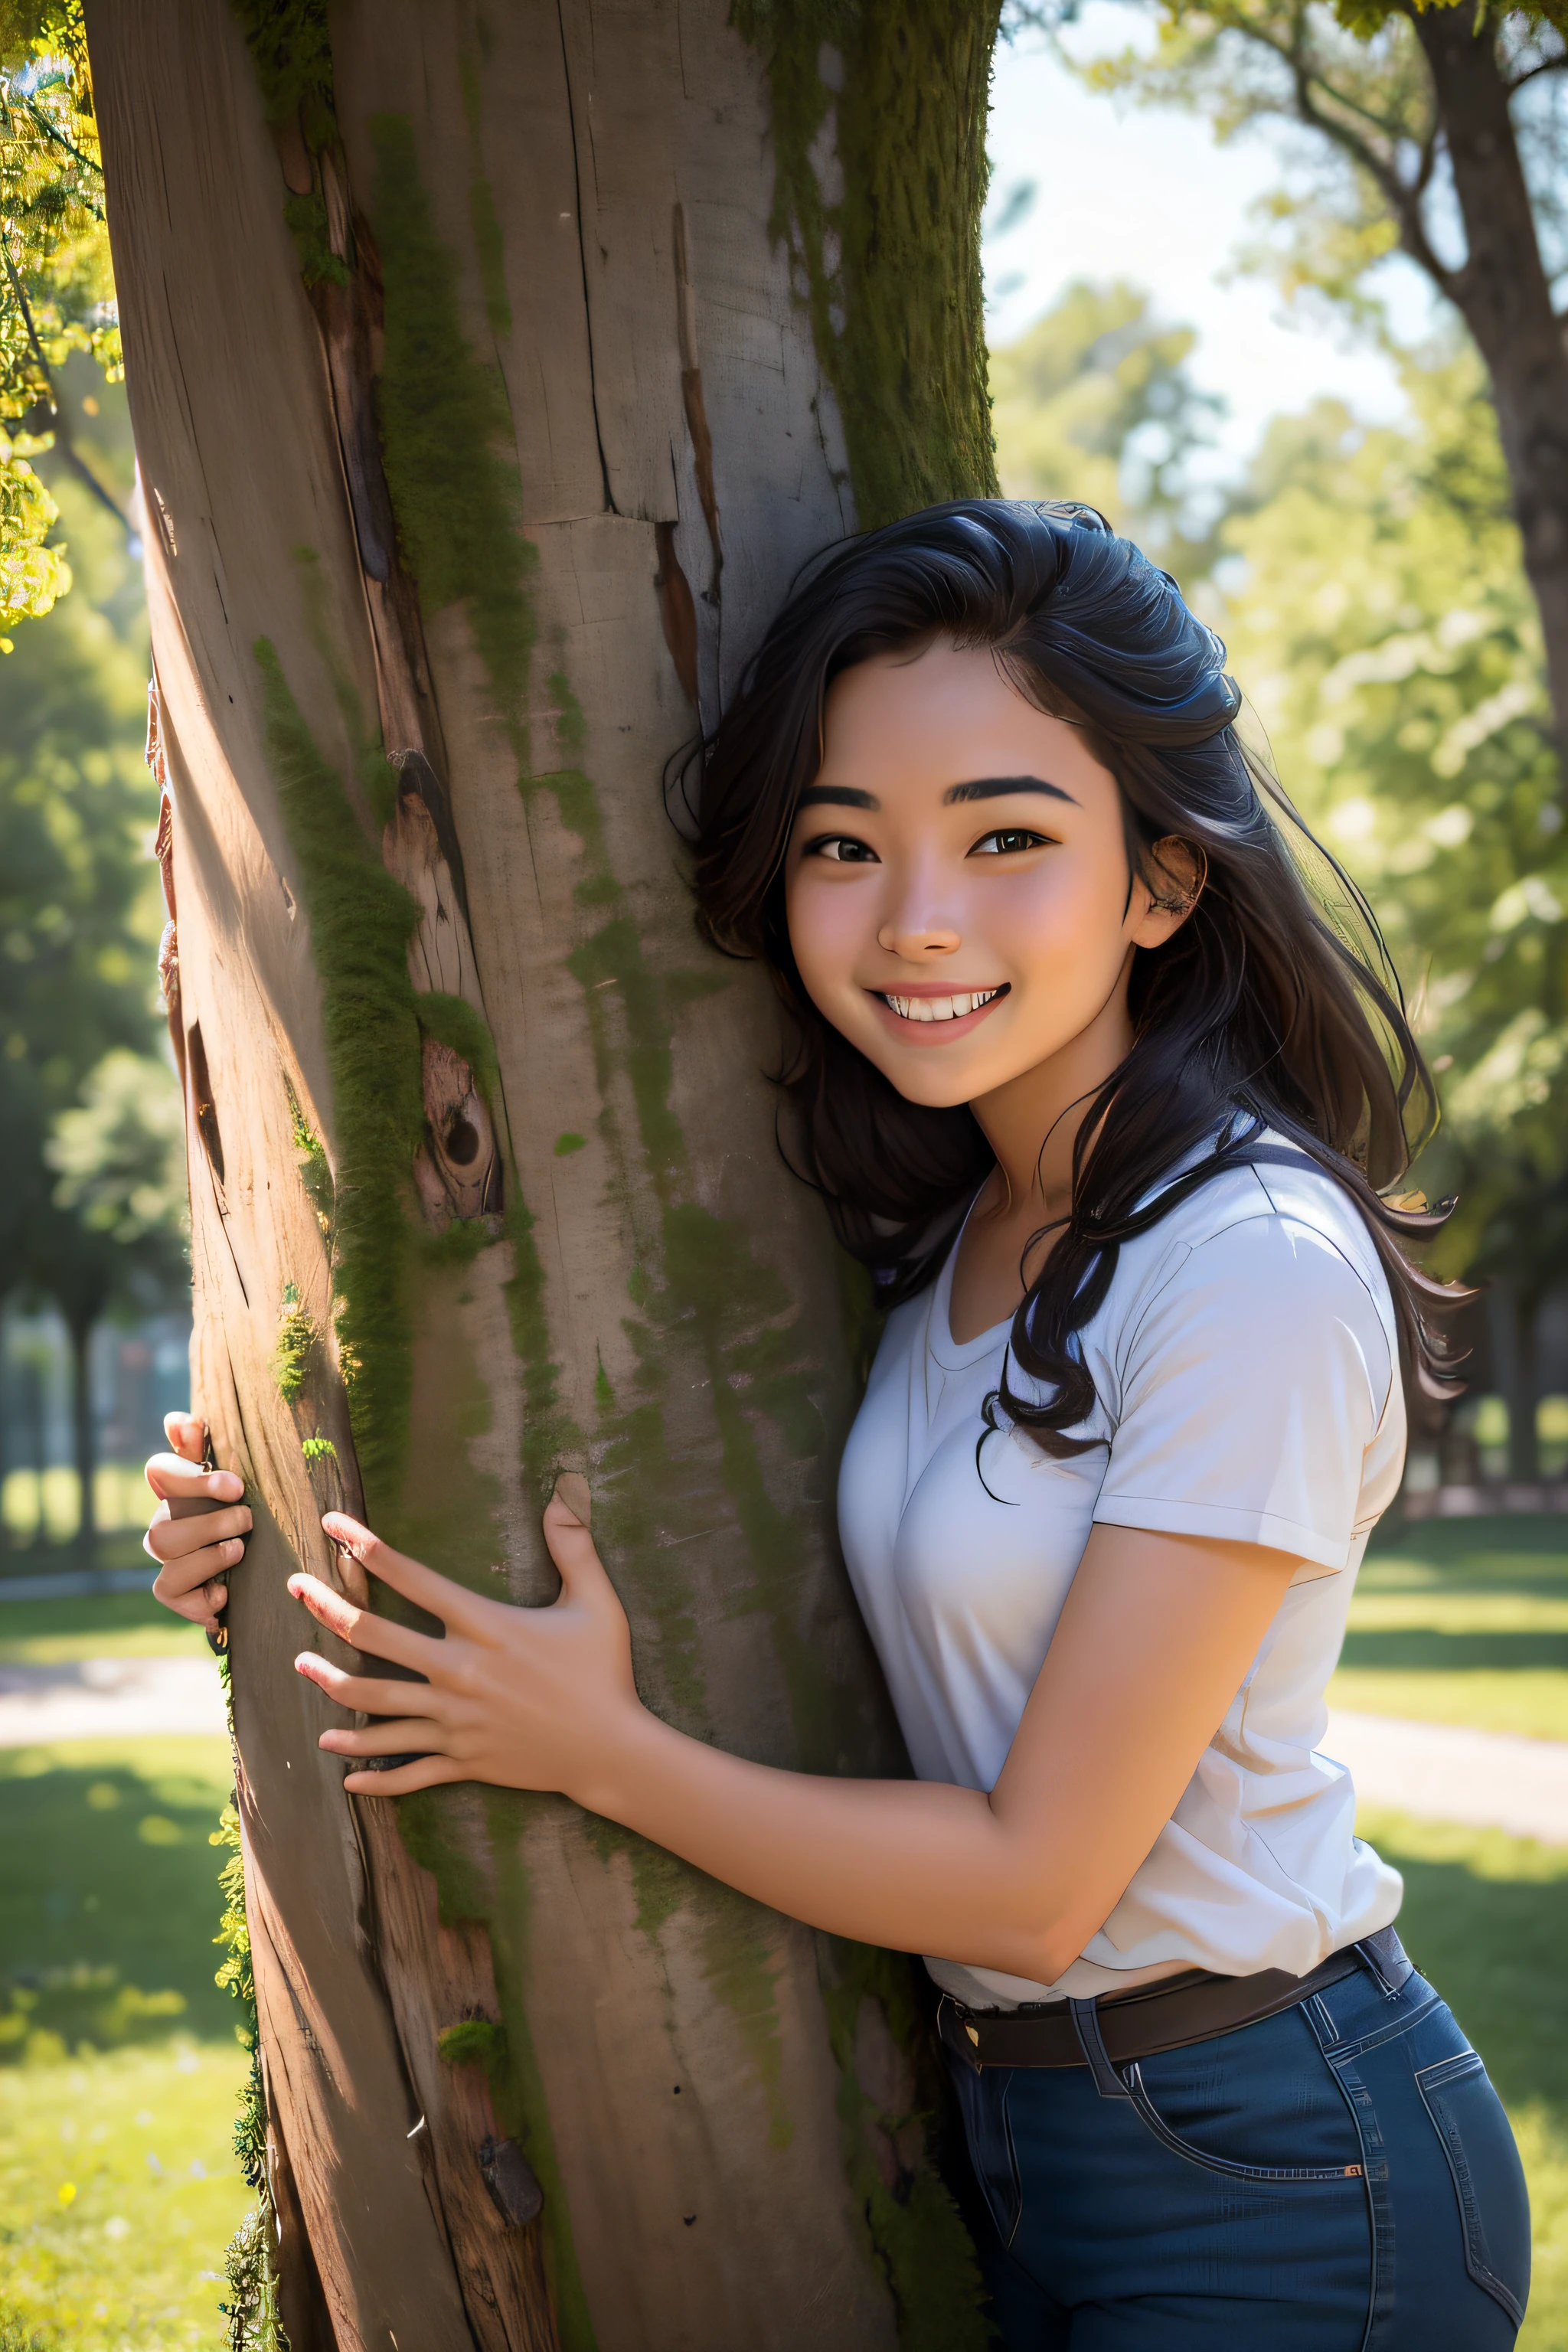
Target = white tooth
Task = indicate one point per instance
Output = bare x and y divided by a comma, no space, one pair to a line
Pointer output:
961,1005
920,1008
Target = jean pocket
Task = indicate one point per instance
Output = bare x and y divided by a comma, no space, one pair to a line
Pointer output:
1488,2178
988,2135
1282,2175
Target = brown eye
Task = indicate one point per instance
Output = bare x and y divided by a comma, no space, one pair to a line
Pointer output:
842,849
1007,841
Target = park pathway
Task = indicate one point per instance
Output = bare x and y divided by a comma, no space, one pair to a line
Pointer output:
108,1698
1488,1780
1445,1771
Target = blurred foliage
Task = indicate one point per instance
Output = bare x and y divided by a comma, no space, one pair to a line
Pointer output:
1094,401
120,1154
1367,175
1379,618
57,286
1370,586
91,1181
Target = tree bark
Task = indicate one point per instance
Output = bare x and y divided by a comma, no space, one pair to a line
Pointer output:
1506,302
617,313
1515,1323
84,1434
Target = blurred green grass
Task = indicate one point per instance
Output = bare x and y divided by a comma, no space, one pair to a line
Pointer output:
120,2069
1463,1621
110,1625
1460,1621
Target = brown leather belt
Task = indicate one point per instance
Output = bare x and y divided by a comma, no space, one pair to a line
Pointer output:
1193,2007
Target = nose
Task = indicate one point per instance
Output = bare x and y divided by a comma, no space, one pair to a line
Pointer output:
917,928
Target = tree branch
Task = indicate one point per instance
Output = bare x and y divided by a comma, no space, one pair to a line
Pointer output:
1403,201
68,447
1511,82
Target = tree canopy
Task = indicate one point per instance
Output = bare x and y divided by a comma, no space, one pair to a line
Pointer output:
56,286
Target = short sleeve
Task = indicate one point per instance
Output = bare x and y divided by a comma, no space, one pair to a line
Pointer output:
1250,1388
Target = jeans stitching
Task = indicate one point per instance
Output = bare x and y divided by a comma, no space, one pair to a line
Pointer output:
1379,2203
1338,2049
1012,2165
1160,2129
1461,2068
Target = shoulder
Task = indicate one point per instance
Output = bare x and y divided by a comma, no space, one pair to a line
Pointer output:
1286,1247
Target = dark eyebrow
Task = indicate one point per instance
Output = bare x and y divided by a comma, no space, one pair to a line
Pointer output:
837,796
993,788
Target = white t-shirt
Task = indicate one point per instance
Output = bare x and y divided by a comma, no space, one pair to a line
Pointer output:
1245,1362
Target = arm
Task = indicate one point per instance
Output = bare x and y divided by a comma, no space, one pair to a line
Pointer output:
1155,1638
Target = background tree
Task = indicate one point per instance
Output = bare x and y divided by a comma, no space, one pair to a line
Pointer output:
1095,402
80,918
111,1239
1434,131
1380,614
492,371
56,290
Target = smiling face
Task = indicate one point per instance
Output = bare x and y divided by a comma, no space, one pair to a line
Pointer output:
957,883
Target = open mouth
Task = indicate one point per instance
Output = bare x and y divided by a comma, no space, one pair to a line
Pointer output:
941,1008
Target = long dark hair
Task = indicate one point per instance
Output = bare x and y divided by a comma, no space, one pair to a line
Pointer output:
1274,1005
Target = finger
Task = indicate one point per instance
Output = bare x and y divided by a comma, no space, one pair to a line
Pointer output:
186,1434
571,1492
200,1605
175,1478
362,1692
460,1609
362,1630
171,1539
185,1572
408,1734
425,1772
573,1550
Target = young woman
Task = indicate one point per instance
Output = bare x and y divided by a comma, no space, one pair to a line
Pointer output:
1109,1103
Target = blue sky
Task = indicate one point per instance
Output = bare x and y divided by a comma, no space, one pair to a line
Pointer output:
1144,194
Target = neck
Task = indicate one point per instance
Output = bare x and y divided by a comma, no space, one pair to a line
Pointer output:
1047,1105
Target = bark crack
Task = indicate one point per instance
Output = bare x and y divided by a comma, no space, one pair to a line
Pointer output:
610,505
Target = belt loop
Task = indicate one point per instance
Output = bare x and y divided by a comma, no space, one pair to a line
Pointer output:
1091,2041
961,2023
1383,1957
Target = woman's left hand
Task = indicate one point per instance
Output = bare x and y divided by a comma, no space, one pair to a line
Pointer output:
525,1698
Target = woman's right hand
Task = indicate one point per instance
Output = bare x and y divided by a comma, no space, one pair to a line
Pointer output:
195,1554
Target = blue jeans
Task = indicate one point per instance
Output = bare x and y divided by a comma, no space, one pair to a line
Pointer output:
1338,2178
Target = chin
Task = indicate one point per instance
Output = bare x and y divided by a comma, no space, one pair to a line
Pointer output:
931,1089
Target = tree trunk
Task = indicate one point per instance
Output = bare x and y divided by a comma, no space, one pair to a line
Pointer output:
1506,302
84,1432
1515,1323
611,314
38,1432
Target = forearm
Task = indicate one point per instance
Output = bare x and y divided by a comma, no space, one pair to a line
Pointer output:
917,1866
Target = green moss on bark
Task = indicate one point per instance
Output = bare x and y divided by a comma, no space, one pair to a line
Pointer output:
915,2228
315,1174
520,2098
291,49
489,245
444,417
878,128
360,924
296,1345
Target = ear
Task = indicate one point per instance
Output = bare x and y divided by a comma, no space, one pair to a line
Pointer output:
1169,885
